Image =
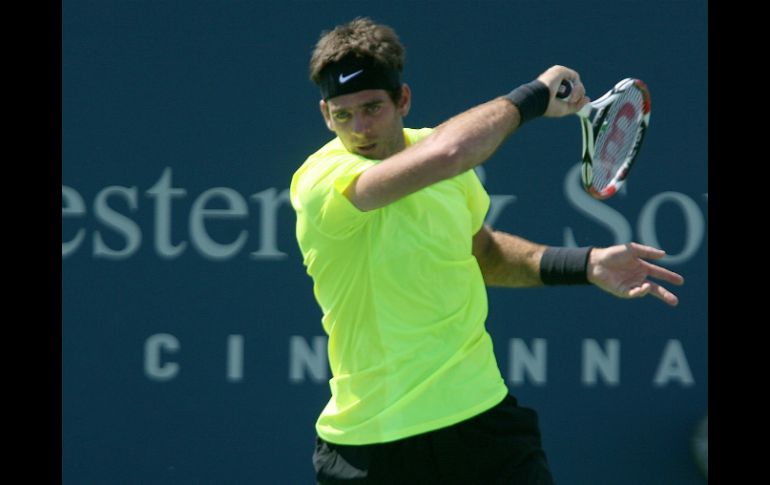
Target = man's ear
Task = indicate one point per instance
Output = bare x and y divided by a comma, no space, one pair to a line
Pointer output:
325,113
406,100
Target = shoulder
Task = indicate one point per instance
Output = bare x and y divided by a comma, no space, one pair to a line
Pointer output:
319,172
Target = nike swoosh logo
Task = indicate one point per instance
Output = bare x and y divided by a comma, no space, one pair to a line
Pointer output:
344,79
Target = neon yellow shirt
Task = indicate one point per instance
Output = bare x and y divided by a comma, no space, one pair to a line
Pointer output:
403,301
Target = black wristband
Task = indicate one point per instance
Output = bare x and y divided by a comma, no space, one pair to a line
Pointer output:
531,99
564,266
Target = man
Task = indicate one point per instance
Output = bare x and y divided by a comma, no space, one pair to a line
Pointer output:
390,225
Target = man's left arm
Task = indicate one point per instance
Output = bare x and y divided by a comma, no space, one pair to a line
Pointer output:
507,260
621,270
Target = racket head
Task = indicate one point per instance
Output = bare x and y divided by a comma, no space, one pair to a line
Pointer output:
613,128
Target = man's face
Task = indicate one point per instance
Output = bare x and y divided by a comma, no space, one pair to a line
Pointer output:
368,122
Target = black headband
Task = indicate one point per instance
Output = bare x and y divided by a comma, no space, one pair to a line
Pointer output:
352,74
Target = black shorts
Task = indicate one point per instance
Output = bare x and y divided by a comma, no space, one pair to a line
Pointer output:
500,446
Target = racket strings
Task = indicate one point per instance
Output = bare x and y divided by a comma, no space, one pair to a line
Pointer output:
616,137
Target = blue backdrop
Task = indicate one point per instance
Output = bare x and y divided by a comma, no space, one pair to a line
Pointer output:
192,350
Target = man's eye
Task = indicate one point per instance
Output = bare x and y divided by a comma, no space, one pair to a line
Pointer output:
341,116
373,109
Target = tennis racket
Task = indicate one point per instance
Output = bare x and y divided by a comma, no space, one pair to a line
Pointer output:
614,126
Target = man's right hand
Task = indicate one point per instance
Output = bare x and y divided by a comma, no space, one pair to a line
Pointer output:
552,78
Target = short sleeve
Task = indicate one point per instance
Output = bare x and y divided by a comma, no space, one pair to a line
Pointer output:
319,191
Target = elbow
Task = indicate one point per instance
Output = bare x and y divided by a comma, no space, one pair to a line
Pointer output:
450,158
455,157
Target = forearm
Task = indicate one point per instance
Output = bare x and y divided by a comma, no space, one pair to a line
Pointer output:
463,142
471,137
510,261
457,145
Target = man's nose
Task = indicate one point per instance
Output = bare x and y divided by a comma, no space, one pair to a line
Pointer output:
360,123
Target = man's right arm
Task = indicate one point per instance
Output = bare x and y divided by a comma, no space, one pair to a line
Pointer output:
457,145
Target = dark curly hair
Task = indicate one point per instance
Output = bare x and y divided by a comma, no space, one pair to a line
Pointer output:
361,37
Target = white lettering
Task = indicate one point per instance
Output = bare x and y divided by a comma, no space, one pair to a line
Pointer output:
673,366
117,221
481,173
72,206
496,202
236,209
304,360
234,358
162,192
521,360
269,204
152,357
596,361
593,209
693,219
496,205
273,200
527,363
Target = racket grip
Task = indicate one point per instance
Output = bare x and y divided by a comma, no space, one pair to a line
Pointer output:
565,89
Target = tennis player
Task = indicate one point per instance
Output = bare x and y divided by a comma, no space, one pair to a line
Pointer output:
390,222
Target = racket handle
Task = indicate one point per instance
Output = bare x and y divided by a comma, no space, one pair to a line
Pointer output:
565,89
